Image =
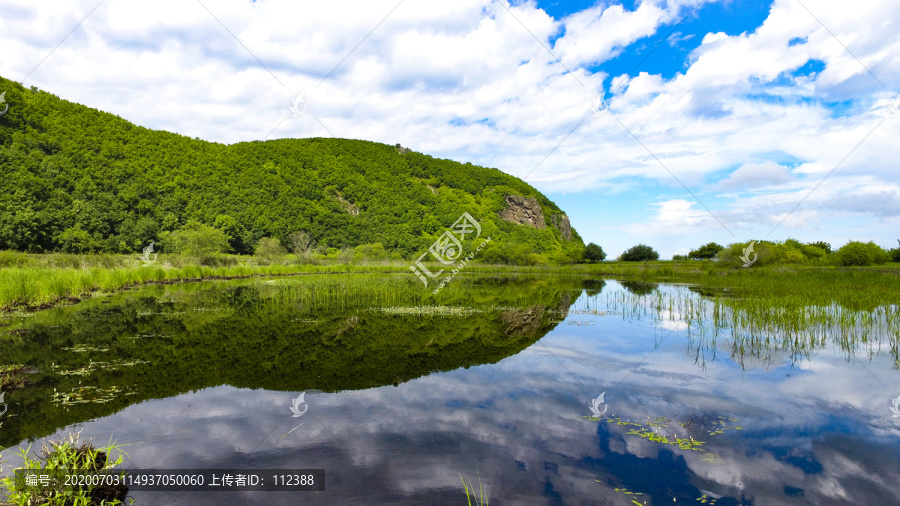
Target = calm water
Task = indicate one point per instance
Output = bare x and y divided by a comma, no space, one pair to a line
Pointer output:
400,405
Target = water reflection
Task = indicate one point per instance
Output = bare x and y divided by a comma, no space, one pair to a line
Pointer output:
400,406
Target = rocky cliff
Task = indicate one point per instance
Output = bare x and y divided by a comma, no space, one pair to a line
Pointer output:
527,211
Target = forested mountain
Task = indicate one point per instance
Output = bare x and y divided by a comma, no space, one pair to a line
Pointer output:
76,179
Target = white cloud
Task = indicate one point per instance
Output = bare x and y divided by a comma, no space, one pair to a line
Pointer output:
754,175
465,80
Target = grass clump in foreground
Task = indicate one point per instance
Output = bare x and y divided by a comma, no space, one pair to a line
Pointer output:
67,455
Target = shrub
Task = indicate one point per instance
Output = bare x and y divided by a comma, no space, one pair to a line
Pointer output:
860,253
269,247
707,251
895,253
510,254
815,251
593,253
301,242
640,253
196,240
370,252
821,245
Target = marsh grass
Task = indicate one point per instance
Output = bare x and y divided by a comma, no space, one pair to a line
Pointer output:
65,455
480,499
792,322
42,284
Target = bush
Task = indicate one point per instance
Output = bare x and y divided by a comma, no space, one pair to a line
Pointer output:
370,252
639,253
790,251
821,245
196,240
510,254
269,247
593,253
707,251
571,252
679,257
860,253
301,242
895,253
815,251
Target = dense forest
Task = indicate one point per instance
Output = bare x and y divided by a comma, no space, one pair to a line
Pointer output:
75,179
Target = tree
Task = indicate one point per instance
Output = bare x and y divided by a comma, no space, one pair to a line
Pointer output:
640,253
707,251
301,242
594,253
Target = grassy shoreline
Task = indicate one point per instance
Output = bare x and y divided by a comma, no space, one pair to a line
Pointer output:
35,281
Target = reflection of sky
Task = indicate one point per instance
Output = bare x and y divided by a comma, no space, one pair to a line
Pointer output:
821,432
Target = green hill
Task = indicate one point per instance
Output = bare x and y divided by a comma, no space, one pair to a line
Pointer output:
76,179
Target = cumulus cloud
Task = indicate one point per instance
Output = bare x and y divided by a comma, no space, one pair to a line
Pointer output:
501,85
754,175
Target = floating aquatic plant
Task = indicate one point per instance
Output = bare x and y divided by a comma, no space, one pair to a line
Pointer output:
99,366
83,348
89,394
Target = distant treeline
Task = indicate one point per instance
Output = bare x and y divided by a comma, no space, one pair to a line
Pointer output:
77,180
792,251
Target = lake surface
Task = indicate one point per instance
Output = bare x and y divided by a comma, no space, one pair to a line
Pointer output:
401,402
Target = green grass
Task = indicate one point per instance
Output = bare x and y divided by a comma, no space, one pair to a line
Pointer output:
65,455
857,312
43,279
480,499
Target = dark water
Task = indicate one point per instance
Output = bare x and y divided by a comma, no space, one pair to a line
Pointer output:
398,406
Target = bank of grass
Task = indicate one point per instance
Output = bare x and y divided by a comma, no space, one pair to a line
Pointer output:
37,280
852,287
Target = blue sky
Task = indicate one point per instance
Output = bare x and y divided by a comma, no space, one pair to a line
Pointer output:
670,123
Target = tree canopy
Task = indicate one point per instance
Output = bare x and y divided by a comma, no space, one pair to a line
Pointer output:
639,253
76,179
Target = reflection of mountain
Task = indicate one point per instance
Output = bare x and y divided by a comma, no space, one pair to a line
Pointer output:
238,336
